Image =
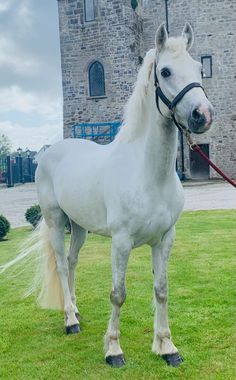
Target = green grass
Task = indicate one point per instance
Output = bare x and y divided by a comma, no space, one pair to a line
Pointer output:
201,310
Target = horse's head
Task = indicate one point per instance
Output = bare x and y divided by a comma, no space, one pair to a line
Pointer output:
175,70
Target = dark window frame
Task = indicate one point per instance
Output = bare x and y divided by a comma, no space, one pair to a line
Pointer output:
92,94
207,57
85,13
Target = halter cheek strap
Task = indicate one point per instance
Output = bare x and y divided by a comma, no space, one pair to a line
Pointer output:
171,105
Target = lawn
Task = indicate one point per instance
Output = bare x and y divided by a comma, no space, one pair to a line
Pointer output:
202,308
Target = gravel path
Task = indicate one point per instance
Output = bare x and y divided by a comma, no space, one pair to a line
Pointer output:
210,195
14,202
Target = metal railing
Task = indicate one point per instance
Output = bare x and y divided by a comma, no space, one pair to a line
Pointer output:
102,133
17,169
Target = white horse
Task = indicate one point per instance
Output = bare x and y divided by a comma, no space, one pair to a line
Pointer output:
127,190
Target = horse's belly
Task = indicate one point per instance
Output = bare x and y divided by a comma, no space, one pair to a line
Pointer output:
90,218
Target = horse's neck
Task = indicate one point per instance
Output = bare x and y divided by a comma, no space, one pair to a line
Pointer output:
160,146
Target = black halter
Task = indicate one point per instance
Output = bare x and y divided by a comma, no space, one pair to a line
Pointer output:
175,101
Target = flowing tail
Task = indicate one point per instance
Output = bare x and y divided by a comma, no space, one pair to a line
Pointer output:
38,247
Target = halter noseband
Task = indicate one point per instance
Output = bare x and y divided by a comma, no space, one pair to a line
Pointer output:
171,105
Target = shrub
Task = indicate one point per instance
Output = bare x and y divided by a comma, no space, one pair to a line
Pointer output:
4,226
33,215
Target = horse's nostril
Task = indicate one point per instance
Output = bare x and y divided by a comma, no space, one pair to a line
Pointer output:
198,119
196,115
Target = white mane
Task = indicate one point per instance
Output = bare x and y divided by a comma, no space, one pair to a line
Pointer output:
135,111
134,115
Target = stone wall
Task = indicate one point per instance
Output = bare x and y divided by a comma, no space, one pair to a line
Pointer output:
214,24
114,40
119,36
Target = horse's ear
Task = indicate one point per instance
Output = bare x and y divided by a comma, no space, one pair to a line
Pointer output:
161,37
188,35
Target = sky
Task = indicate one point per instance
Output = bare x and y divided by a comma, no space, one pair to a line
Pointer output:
30,73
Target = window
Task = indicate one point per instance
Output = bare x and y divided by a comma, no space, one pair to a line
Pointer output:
89,10
206,61
96,79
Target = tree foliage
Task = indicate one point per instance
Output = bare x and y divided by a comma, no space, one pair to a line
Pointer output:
5,145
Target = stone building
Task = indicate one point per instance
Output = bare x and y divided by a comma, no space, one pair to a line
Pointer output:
102,46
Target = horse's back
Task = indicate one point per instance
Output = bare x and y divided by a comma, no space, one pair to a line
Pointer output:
68,148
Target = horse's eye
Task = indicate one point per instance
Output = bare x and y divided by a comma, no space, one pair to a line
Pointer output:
165,72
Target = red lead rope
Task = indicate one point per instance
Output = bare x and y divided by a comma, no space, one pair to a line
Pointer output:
197,149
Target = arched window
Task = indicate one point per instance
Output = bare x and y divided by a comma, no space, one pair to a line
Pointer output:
89,10
96,79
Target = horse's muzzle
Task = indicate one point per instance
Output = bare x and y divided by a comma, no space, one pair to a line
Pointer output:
200,119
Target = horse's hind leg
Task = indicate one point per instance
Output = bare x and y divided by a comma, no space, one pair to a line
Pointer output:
78,236
162,343
55,220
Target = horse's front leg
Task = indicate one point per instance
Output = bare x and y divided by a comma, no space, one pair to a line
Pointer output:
162,343
121,247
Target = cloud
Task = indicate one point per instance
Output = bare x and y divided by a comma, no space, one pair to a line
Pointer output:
15,99
5,5
29,46
32,138
29,119
30,86
14,60
19,12
25,15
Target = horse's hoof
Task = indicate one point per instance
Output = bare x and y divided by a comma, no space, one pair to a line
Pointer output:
116,361
173,360
74,329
